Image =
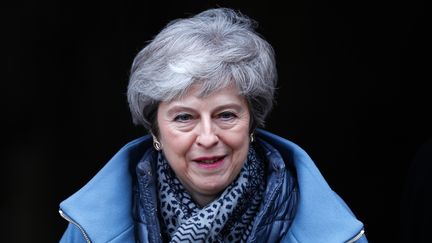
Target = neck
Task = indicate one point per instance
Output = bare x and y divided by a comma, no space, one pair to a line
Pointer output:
203,200
200,198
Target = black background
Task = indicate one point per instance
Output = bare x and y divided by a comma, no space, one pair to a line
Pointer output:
352,92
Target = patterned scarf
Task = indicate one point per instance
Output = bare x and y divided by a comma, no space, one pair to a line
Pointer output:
229,218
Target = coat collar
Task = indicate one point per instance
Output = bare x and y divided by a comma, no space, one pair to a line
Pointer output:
321,214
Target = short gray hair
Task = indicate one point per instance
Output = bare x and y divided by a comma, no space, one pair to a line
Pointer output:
215,48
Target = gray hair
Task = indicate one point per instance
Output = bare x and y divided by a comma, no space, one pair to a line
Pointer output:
215,49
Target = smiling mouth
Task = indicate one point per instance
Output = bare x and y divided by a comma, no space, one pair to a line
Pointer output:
209,160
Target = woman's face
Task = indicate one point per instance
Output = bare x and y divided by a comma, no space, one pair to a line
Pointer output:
205,140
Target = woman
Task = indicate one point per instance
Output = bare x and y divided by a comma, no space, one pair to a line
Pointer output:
202,88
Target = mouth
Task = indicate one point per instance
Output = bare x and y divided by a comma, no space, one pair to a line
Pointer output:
209,160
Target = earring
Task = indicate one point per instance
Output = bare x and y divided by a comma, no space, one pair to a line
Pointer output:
252,137
156,144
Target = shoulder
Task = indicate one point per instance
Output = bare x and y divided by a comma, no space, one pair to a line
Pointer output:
318,205
108,196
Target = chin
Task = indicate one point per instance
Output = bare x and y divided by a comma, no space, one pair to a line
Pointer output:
213,187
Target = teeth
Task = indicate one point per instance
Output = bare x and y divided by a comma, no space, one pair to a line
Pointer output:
208,161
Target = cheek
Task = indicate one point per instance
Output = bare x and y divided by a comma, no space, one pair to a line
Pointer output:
239,138
175,150
238,142
175,144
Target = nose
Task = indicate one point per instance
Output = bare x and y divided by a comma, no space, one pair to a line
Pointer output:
207,136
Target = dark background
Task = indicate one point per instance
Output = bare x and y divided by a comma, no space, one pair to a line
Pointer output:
352,93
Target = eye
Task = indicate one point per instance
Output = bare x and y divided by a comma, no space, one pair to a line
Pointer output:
183,117
227,115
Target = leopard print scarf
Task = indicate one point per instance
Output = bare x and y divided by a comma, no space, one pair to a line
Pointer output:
228,218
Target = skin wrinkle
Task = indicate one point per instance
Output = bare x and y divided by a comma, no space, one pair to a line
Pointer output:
216,125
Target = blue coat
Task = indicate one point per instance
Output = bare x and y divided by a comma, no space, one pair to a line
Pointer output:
102,210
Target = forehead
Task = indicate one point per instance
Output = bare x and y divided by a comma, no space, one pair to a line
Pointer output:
221,97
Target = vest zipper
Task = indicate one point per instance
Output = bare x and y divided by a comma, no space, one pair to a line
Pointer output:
63,215
357,237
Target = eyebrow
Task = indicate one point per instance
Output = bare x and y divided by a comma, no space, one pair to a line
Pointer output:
178,108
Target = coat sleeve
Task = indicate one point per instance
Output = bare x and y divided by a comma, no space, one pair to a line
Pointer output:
72,235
